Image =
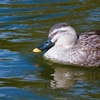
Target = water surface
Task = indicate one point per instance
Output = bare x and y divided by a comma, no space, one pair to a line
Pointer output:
24,24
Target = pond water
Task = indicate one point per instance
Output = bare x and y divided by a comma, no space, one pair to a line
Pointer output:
24,24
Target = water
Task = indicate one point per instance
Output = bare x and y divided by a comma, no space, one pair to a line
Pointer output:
24,24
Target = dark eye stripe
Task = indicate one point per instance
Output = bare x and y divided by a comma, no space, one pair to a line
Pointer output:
62,31
52,35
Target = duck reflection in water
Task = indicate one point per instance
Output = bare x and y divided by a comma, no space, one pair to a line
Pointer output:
64,78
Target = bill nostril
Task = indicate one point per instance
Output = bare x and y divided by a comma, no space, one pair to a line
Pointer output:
47,42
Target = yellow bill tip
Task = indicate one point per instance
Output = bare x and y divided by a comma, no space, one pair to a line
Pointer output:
36,50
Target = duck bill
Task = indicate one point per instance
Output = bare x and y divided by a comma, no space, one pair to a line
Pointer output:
45,46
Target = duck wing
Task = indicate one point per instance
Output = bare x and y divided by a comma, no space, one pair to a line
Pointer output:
90,39
87,49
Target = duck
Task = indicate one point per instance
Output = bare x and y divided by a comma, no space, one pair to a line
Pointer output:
65,46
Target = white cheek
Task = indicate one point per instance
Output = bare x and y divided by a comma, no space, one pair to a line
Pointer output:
61,41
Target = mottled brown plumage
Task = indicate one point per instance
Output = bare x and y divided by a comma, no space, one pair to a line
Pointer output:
87,49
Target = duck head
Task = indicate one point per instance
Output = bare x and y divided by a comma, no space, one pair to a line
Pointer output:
61,34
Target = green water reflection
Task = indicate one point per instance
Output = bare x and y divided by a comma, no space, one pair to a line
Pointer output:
24,24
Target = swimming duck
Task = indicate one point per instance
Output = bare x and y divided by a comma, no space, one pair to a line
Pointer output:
66,47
